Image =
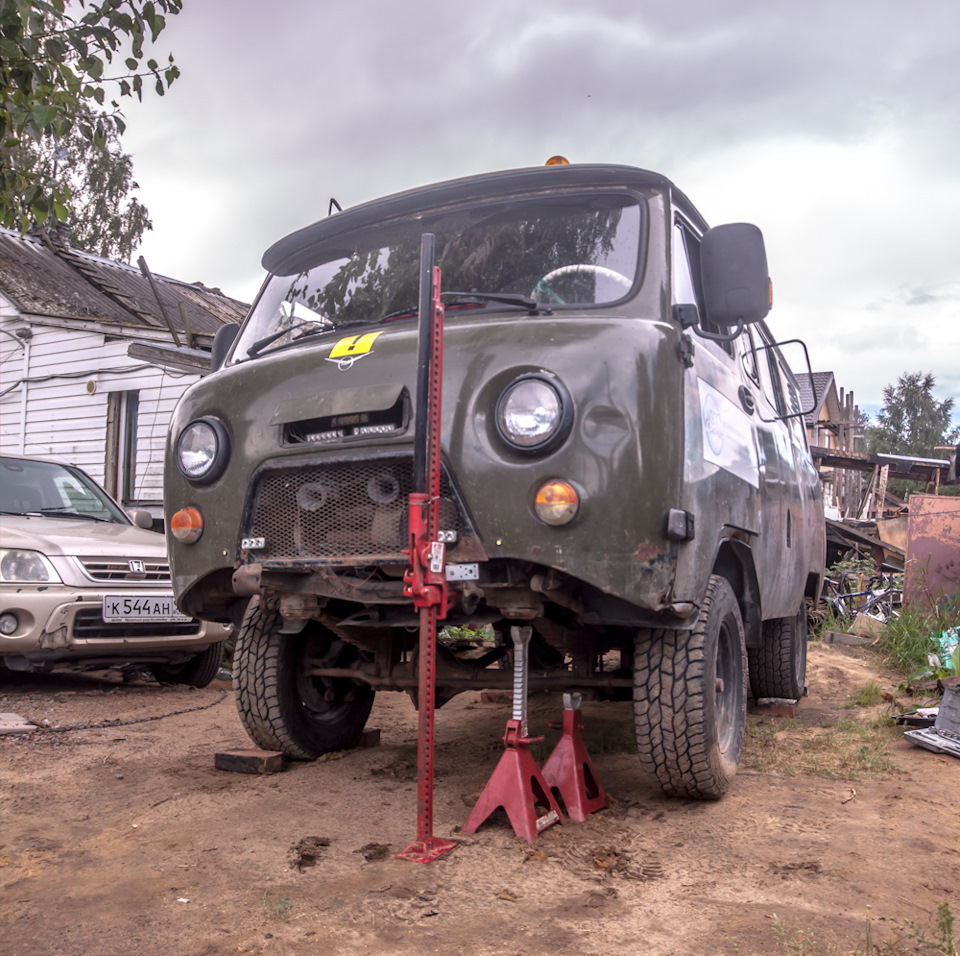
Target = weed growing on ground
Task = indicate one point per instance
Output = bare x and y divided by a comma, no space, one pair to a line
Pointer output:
797,942
909,639
867,696
279,908
944,943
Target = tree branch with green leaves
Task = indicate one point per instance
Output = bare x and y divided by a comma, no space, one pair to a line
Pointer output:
64,66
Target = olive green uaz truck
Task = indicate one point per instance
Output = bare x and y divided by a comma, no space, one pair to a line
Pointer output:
625,467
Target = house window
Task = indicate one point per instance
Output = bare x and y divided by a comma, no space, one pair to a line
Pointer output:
120,469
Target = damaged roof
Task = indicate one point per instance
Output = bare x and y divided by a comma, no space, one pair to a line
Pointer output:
44,277
815,399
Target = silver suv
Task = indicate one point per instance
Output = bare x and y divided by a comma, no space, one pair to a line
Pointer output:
82,585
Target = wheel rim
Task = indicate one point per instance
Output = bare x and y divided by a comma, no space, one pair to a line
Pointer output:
729,675
324,699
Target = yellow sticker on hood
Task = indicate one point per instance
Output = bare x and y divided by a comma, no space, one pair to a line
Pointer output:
353,347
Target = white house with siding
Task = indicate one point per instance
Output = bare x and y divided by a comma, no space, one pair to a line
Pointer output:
94,355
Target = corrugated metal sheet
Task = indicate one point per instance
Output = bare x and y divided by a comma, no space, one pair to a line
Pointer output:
46,280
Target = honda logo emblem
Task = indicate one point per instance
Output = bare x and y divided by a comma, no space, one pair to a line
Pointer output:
137,567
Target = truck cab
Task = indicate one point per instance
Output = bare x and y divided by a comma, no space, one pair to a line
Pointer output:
624,465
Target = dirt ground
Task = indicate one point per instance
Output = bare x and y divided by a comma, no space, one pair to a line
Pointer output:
125,839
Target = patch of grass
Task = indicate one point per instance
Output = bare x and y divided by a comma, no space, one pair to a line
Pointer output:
799,942
837,750
279,908
826,619
867,696
908,639
452,635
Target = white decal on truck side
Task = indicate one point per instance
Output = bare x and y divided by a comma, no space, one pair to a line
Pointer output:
728,440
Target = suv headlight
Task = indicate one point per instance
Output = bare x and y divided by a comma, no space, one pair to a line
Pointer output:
203,449
26,567
534,413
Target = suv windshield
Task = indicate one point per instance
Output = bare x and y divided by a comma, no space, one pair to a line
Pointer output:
46,489
578,250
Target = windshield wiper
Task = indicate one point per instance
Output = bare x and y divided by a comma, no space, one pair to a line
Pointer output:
309,328
477,299
532,305
68,513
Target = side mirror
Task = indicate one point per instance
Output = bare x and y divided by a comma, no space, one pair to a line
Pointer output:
733,271
141,518
225,337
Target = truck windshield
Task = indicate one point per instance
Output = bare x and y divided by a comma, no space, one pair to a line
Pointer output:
571,251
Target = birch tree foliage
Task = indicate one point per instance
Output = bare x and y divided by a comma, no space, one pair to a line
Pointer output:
65,66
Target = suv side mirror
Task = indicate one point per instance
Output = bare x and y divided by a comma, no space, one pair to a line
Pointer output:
225,337
141,518
733,271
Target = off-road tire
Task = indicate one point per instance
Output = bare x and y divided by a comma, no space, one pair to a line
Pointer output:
689,728
778,668
283,708
196,672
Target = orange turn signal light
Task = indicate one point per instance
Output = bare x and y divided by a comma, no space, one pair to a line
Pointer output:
557,161
557,502
187,525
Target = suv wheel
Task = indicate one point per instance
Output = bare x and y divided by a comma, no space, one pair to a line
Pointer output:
281,705
778,668
690,699
196,672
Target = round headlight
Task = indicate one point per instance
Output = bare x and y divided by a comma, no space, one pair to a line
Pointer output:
532,414
202,450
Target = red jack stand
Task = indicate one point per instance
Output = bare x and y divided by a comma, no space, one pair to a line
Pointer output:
517,784
568,768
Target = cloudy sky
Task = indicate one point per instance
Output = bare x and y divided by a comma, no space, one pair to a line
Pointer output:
832,124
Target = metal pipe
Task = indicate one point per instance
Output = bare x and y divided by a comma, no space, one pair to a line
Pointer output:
493,680
424,343
521,642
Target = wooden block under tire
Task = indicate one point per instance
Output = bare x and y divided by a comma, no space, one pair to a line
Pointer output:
774,707
370,737
249,761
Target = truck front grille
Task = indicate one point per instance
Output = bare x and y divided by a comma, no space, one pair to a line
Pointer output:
344,512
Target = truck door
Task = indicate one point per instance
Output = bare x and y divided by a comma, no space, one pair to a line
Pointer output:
781,559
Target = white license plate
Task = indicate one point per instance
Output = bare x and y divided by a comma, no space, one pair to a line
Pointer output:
141,607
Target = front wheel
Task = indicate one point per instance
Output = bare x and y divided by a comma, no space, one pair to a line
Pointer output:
690,699
282,705
198,671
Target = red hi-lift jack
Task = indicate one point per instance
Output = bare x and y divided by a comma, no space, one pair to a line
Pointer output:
517,784
425,579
